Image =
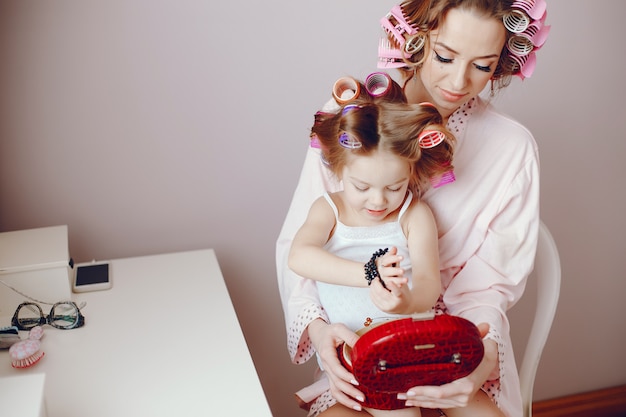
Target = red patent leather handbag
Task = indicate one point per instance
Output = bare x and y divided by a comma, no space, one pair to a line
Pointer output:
391,357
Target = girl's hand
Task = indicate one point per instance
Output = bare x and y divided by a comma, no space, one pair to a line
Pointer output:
390,271
326,338
394,297
457,393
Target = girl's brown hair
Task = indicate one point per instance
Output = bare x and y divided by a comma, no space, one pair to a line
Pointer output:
391,126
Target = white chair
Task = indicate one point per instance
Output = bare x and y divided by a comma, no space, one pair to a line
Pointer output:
547,274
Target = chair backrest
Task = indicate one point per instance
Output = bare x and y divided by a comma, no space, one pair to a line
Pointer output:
547,274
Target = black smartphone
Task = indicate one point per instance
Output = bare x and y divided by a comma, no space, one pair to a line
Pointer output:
92,276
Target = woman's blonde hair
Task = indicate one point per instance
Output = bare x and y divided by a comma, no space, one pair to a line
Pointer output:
427,15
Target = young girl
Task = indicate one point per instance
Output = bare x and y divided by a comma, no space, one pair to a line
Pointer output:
386,155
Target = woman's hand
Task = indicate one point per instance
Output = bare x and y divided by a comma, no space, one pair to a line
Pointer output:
326,338
457,393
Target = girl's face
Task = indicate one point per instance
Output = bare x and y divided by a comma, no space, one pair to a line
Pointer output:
464,53
374,186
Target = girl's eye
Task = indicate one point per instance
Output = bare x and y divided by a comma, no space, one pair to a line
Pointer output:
360,188
442,59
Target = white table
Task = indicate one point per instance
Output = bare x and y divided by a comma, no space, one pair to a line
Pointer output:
164,341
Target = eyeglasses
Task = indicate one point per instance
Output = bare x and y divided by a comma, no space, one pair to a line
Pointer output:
63,315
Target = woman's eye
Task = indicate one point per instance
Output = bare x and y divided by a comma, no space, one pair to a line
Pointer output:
393,190
442,59
483,68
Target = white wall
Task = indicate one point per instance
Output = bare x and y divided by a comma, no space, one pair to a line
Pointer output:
156,126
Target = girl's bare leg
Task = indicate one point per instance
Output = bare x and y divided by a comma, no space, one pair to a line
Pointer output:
480,406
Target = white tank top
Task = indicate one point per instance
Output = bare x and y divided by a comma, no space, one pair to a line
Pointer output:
350,305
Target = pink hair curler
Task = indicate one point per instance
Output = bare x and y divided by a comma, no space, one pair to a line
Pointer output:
390,56
532,38
430,138
408,40
534,9
538,32
314,142
399,27
523,66
346,89
446,178
380,84
26,353
522,13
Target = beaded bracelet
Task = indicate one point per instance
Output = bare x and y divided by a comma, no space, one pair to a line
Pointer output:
371,270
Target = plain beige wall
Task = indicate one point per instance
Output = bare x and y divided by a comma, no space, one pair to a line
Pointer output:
155,126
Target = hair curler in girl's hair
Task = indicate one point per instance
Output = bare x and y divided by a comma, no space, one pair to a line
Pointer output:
380,84
346,89
443,179
348,141
430,138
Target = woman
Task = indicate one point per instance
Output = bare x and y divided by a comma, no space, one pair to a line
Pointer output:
487,218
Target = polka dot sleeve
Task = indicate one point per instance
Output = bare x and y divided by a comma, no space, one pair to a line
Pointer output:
298,342
492,386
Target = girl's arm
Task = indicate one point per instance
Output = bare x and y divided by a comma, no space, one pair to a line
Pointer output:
421,231
308,257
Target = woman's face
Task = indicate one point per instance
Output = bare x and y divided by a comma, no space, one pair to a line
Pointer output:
464,52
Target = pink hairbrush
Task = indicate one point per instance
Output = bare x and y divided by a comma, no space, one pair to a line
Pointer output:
26,353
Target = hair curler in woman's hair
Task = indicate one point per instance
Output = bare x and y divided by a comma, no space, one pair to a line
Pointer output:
346,89
407,40
516,21
534,8
415,43
523,13
380,84
531,39
389,56
525,21
397,26
523,65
